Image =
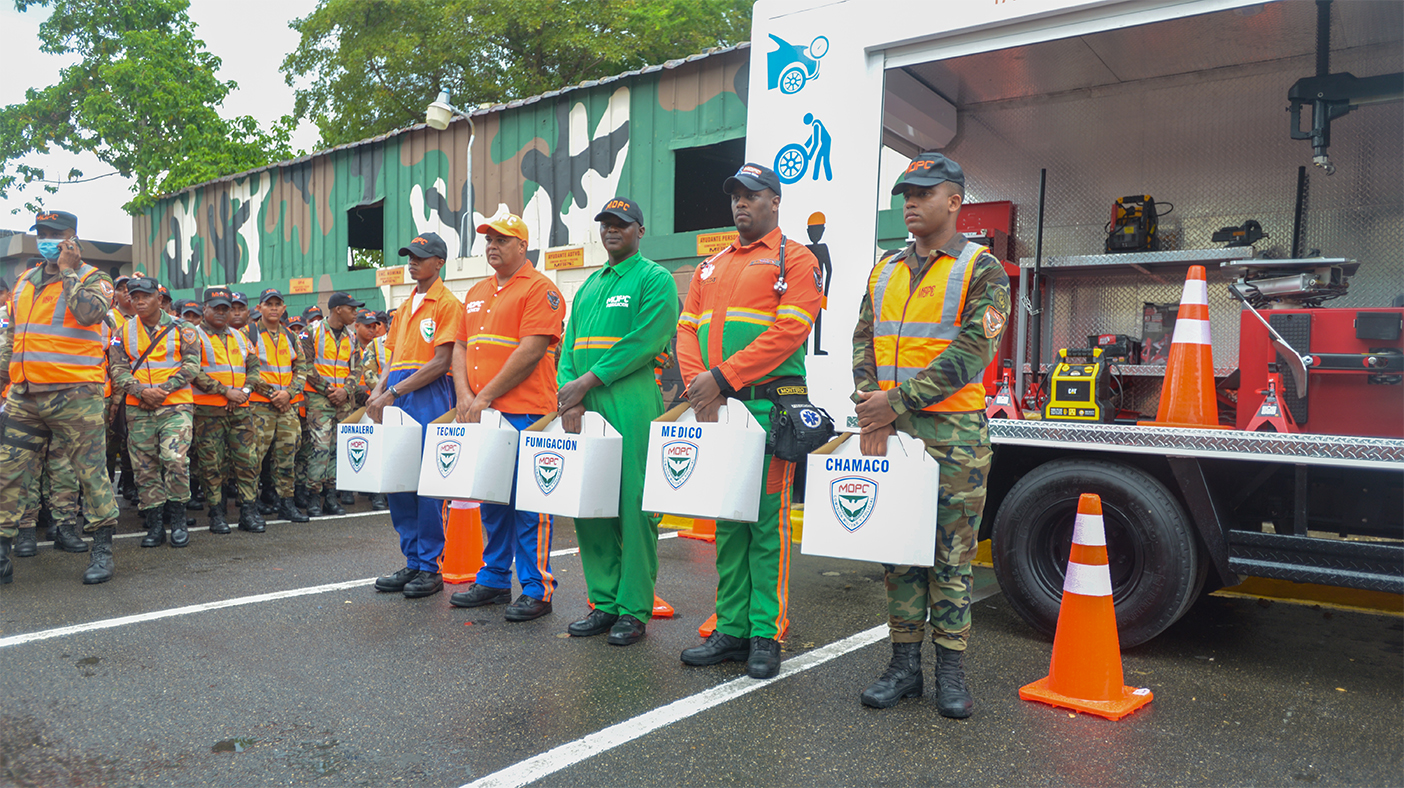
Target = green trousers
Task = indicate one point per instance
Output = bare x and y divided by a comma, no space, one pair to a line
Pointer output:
69,421
159,441
620,554
280,432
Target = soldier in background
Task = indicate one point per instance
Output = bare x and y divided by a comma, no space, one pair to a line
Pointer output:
189,310
370,336
117,456
275,398
153,361
330,345
238,311
298,325
224,435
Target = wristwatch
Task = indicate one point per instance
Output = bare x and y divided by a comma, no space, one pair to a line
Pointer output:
393,392
247,390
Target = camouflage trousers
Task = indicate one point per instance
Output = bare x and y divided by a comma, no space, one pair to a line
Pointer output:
942,592
159,441
225,446
320,440
304,446
281,433
69,423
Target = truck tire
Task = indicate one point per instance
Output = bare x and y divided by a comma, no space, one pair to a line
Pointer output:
1155,565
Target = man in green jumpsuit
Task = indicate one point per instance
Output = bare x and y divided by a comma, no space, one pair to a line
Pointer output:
621,318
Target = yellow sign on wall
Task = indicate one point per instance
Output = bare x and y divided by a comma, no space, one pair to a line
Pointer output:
709,244
394,275
300,286
557,259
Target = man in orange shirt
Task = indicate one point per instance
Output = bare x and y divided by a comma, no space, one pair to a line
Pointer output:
421,349
511,321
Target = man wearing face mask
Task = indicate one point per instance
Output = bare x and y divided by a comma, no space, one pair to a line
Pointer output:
55,359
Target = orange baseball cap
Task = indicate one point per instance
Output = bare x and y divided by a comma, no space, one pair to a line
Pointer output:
506,225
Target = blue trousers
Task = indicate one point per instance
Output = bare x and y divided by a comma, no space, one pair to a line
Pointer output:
420,521
525,536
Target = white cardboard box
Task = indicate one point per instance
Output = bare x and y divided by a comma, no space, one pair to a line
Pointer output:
879,509
711,471
378,458
469,462
570,475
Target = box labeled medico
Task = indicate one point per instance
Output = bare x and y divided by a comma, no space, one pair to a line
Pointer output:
712,471
469,462
378,458
570,475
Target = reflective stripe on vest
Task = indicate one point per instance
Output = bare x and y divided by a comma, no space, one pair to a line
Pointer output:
331,363
275,366
161,363
222,362
49,344
913,325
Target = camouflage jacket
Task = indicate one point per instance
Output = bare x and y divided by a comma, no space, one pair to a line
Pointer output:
120,361
206,383
88,302
308,350
963,361
302,366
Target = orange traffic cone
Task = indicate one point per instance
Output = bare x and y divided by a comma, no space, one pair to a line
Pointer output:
1085,672
463,542
702,530
1187,396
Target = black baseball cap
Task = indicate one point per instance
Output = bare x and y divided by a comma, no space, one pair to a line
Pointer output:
143,284
217,296
385,317
343,299
237,297
311,312
296,320
188,305
55,220
425,245
271,292
754,177
624,208
120,281
367,316
930,169
4,284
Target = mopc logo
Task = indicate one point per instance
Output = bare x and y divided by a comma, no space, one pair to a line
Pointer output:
679,459
446,454
547,465
854,499
356,450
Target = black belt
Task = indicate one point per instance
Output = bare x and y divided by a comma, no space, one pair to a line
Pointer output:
749,393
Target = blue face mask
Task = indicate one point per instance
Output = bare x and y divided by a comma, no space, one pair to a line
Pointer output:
50,249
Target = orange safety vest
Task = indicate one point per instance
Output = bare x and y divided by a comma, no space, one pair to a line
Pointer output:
223,362
161,363
333,358
49,344
275,363
913,325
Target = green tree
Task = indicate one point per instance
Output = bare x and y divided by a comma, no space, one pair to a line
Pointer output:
143,97
365,67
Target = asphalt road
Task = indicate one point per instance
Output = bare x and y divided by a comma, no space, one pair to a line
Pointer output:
351,687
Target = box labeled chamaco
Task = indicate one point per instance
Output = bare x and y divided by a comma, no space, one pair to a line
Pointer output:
570,475
469,462
879,509
711,471
378,458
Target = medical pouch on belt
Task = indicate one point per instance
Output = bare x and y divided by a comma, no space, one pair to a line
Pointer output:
222,358
160,364
913,325
333,356
49,344
378,458
570,475
469,462
879,509
711,471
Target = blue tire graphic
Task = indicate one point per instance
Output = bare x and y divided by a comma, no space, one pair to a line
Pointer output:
791,162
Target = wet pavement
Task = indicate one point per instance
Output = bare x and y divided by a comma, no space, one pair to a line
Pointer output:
351,687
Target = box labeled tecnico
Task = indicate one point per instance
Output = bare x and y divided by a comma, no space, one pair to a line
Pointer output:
469,462
712,471
569,475
378,458
879,509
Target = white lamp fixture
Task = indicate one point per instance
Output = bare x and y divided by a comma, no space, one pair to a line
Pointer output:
441,112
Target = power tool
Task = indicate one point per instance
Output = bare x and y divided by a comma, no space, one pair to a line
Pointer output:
1133,225
1080,391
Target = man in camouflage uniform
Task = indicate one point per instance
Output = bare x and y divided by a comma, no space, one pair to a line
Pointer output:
370,335
189,310
330,345
224,434
926,382
298,325
282,370
117,456
160,408
53,353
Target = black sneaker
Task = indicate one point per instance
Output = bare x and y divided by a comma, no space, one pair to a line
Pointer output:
478,595
397,581
717,648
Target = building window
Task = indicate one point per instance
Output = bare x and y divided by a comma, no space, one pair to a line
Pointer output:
365,236
698,203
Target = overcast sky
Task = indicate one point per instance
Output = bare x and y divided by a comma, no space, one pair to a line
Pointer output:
251,37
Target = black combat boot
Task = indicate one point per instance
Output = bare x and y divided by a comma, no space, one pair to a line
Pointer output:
953,699
347,498
7,567
45,520
155,528
218,512
197,496
314,504
27,543
902,679
100,565
175,512
379,502
331,505
68,540
300,496
288,511
249,518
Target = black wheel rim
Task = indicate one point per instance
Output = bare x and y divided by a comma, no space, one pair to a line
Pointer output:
1050,537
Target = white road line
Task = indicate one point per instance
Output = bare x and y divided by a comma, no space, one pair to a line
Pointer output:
156,615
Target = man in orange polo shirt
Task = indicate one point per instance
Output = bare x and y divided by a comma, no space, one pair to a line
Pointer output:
511,321
421,349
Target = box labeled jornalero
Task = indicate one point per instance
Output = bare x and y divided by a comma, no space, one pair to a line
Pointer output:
711,471
378,458
469,462
570,475
879,509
